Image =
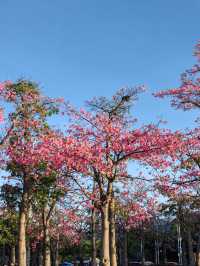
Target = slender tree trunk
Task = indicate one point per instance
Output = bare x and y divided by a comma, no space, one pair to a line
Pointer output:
93,225
47,249
57,253
105,235
198,251
13,256
28,253
22,239
22,227
190,249
94,249
113,251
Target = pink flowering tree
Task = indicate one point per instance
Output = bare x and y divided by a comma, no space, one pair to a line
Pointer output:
187,95
102,144
28,124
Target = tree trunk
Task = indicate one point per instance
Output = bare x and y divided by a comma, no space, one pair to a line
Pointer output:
198,251
113,251
57,253
94,249
22,239
22,228
13,256
47,249
28,253
105,235
190,248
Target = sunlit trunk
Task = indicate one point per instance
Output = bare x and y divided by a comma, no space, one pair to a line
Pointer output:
22,227
46,246
94,250
22,239
13,256
105,235
113,251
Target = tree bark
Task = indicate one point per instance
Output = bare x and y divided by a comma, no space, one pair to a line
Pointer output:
28,253
22,239
13,256
113,251
105,235
22,228
57,253
47,212
47,249
94,249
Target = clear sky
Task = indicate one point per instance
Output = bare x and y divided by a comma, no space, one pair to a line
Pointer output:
78,49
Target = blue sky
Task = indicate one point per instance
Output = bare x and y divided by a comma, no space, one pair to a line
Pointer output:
83,48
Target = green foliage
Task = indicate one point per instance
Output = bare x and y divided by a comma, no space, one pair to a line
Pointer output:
10,196
8,228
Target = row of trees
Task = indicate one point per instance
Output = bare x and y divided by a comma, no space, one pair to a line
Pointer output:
56,179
